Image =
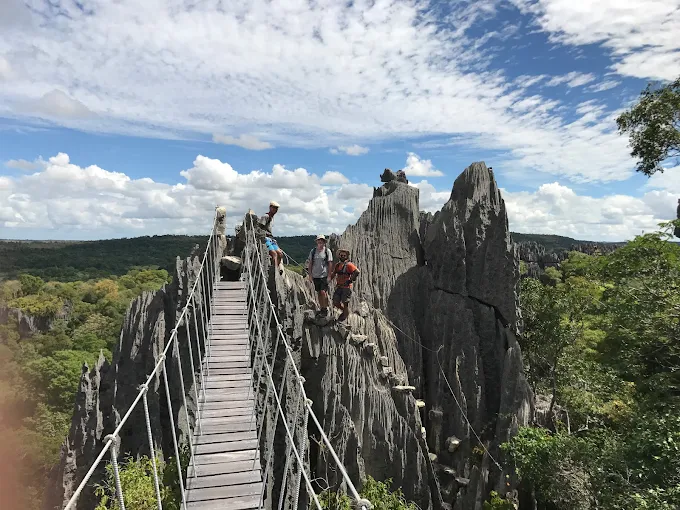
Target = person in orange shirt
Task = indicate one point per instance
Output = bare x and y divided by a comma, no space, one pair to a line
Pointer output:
345,272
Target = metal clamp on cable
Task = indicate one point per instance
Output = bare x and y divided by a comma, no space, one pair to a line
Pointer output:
115,440
143,388
363,504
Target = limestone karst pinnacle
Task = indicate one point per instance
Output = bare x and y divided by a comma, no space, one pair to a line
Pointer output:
435,305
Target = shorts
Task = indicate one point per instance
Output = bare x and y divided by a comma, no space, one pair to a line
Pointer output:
321,284
342,295
271,244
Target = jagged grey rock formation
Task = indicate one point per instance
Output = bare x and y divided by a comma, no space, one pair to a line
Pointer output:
27,324
388,175
537,258
448,282
384,240
106,391
375,426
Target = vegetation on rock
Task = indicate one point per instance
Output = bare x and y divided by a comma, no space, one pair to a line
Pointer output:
602,337
378,493
40,373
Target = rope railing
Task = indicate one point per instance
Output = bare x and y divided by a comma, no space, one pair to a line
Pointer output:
263,320
202,289
266,336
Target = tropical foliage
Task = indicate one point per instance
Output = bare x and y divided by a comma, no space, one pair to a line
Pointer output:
76,323
602,339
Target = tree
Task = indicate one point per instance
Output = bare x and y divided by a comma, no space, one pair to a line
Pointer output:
643,303
30,284
653,127
554,316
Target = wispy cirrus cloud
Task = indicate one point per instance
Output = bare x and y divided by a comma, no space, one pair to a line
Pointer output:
641,35
309,74
350,150
571,80
244,141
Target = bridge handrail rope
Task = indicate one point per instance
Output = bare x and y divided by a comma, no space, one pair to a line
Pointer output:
259,322
206,275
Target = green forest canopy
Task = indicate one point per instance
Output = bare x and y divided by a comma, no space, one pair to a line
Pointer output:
78,261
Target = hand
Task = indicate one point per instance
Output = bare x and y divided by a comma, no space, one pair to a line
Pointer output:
309,277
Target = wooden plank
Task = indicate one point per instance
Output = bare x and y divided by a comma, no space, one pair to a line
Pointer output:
225,419
224,428
230,401
228,358
231,364
209,406
242,503
230,349
246,376
225,338
221,394
231,446
218,413
229,371
226,479
227,385
234,491
214,458
223,468
225,437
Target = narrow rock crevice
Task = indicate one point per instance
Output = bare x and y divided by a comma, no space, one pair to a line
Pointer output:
498,313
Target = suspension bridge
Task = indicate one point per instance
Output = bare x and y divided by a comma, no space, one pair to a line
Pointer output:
240,412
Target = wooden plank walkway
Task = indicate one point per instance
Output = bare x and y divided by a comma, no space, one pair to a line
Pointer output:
226,456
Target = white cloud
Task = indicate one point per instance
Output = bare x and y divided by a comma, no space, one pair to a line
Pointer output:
313,74
360,192
245,141
332,178
572,79
431,200
26,166
63,200
5,69
642,35
350,150
67,201
557,209
420,167
604,85
60,105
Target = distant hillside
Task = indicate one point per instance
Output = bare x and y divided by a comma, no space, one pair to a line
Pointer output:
554,243
81,260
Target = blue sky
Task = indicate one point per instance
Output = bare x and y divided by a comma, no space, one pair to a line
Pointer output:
125,119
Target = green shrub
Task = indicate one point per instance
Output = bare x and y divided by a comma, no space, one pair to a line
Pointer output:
378,493
498,503
137,482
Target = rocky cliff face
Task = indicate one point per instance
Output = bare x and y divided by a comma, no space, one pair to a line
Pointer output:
538,258
451,293
357,382
106,390
28,325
